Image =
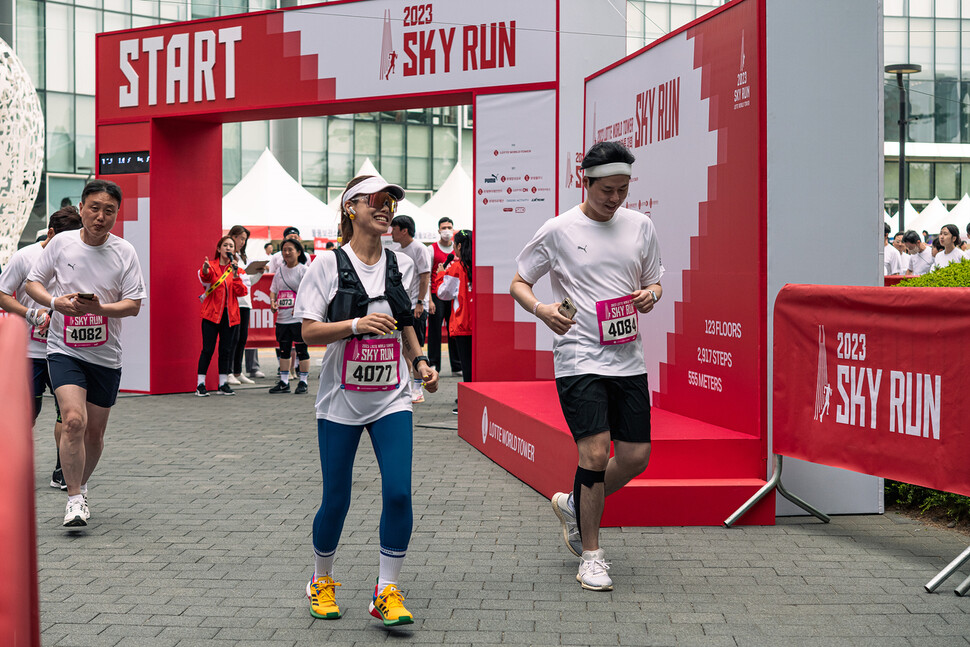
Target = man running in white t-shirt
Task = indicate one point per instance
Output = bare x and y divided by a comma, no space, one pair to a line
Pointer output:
95,280
14,299
606,260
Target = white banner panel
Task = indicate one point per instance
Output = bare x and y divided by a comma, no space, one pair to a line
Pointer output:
515,177
653,105
390,47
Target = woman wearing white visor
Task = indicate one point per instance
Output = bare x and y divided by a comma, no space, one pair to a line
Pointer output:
356,301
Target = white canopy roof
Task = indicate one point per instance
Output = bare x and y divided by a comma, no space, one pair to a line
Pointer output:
960,214
425,224
267,200
931,218
455,199
893,220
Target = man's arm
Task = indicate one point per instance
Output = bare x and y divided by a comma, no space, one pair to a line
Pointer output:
548,313
11,305
643,301
424,279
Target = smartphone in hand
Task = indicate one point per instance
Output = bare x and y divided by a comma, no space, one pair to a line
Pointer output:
567,308
85,295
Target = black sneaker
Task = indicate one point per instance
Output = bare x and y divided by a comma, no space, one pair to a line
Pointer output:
201,392
225,390
455,411
280,388
57,479
300,388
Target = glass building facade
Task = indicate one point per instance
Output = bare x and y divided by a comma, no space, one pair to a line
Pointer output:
418,148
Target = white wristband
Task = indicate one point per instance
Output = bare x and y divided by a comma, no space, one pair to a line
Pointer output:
53,299
353,326
536,307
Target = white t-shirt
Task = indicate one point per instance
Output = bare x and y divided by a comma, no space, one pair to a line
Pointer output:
287,279
245,301
110,270
921,262
942,259
12,282
892,261
591,261
420,255
317,290
276,262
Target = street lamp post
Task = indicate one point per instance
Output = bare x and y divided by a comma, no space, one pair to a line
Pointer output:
899,69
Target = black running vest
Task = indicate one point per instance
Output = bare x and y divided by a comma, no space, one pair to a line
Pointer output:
351,299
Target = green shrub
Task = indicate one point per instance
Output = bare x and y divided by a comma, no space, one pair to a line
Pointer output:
956,507
954,275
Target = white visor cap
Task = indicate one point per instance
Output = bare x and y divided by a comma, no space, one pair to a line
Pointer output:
373,184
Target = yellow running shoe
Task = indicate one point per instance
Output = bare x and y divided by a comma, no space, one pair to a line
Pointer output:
389,607
323,603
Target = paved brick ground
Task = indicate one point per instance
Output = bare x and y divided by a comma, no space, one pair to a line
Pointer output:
200,536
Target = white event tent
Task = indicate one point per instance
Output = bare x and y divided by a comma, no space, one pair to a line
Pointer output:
931,218
455,199
268,199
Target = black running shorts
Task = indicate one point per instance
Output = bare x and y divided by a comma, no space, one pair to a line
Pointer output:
101,382
593,404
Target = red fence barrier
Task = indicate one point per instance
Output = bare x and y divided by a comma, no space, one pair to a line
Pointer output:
19,610
873,380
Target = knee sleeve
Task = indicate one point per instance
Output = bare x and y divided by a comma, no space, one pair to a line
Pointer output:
589,478
302,352
284,351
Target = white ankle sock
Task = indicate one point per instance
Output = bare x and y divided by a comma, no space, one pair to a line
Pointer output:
223,377
304,375
84,488
201,379
284,377
390,571
323,564
74,497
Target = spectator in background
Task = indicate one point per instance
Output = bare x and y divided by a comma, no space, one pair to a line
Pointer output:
901,248
282,292
926,237
892,260
442,255
456,287
276,260
950,239
220,312
937,247
920,254
268,249
240,236
965,245
402,233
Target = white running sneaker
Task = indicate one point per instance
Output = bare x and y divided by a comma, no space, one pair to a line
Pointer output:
232,380
75,514
258,374
592,571
243,379
567,517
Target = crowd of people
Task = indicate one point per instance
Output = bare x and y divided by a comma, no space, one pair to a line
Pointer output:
909,254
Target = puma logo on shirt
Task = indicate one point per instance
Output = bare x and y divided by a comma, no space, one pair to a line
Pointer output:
71,265
583,247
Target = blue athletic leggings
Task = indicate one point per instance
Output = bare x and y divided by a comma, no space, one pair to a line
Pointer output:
391,437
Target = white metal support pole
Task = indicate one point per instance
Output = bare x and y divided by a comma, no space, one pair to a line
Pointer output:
950,569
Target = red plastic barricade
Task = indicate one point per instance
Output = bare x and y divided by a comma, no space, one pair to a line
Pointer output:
262,320
872,380
19,610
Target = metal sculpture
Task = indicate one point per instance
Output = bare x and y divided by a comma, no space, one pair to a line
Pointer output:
21,149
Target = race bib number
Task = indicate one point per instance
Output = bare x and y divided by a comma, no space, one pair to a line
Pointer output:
617,320
371,365
36,334
85,331
285,299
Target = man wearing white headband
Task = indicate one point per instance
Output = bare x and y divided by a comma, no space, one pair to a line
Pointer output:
609,258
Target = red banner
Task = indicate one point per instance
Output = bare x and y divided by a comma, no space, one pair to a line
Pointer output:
871,379
262,320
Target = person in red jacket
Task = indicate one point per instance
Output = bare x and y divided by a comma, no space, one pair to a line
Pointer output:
456,288
220,312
